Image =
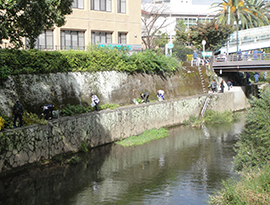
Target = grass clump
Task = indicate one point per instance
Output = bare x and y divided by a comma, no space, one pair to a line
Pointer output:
71,110
146,137
211,117
84,147
252,189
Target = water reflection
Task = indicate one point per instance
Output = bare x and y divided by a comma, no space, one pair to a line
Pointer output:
182,169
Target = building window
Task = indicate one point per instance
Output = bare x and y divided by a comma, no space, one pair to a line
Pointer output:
77,4
101,5
45,40
121,6
72,40
101,37
122,38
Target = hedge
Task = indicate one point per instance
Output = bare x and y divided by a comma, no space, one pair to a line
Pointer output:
13,62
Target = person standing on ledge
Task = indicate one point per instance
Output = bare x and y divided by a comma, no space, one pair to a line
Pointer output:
18,112
95,101
160,95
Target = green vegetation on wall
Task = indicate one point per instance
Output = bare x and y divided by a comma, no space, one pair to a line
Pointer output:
13,62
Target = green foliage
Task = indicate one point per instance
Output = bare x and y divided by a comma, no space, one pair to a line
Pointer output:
4,73
8,121
72,160
211,117
214,117
64,160
28,18
181,51
109,106
194,121
161,40
252,13
146,137
253,146
2,123
84,147
95,59
32,118
212,33
252,188
70,110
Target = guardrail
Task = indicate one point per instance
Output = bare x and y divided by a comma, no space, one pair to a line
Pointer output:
242,57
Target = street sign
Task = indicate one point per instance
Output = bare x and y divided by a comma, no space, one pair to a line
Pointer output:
170,45
207,54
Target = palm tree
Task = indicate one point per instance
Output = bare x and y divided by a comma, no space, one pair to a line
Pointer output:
251,13
260,10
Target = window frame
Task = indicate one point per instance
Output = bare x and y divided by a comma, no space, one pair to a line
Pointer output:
120,39
46,33
101,5
122,6
106,35
77,6
74,36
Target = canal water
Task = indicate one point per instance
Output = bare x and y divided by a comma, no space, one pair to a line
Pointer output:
184,168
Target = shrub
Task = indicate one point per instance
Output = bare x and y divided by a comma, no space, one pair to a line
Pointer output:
253,145
84,147
2,123
252,188
32,118
14,61
70,110
109,106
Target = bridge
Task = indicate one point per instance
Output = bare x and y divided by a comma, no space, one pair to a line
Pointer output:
248,39
242,63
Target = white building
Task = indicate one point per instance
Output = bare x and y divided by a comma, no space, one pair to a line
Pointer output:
177,10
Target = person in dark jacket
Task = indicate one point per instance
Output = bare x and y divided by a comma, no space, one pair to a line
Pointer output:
18,112
144,97
47,111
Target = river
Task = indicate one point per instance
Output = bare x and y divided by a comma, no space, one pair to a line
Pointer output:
184,168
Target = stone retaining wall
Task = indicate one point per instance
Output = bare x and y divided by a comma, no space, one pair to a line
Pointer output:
33,143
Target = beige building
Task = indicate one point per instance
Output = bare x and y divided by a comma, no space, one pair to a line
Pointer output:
102,22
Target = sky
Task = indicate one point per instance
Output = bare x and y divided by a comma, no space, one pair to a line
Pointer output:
205,2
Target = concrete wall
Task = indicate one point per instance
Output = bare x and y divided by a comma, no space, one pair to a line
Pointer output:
31,144
75,88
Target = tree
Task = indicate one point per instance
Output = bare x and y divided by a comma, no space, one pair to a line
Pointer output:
154,19
251,13
180,48
214,35
28,18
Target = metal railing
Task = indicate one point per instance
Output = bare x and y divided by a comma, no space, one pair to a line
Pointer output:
242,57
